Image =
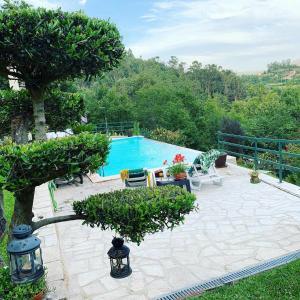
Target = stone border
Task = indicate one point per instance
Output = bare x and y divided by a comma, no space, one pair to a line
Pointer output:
231,277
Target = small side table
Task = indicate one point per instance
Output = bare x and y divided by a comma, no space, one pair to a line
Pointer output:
181,183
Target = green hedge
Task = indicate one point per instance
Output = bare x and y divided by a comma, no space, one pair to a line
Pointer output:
29,165
11,291
133,213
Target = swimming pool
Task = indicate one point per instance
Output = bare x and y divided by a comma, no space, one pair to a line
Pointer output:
140,152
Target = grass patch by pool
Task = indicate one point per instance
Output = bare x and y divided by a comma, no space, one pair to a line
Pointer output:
281,283
8,212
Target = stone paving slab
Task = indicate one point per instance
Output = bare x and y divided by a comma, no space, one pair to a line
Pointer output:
237,225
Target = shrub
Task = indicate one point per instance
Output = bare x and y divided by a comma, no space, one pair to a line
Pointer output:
136,128
167,136
135,213
232,127
79,128
11,291
29,165
293,177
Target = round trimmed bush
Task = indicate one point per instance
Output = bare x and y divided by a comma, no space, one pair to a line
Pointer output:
133,213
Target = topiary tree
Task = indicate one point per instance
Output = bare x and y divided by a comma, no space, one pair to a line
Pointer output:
131,213
40,46
23,167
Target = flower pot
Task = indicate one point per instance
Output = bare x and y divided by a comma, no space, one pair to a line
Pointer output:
180,176
38,296
254,178
221,161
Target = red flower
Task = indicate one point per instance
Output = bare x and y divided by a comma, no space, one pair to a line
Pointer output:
178,158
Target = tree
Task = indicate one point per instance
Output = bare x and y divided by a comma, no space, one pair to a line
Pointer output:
16,117
40,46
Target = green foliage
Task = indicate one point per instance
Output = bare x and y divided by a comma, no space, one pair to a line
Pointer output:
177,168
8,212
79,128
62,109
295,162
213,80
167,136
209,122
3,83
133,213
136,128
11,291
23,166
267,115
279,283
51,44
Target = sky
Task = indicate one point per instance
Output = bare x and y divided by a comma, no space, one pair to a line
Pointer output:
242,35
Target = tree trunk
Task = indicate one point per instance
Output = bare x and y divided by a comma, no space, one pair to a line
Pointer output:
23,207
37,96
19,129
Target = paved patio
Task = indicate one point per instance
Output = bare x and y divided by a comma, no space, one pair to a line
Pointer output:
237,225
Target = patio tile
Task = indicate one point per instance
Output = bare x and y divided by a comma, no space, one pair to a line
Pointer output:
237,225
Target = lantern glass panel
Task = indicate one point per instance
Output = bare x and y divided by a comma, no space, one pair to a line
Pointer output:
24,263
13,266
118,265
37,258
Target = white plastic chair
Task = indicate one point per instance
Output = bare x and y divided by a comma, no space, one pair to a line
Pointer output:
197,178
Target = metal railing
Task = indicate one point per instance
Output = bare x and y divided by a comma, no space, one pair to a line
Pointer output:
251,147
114,127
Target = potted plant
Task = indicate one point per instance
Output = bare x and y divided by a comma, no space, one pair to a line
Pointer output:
254,177
178,167
221,160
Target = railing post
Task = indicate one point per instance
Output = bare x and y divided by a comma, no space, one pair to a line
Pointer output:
255,154
280,161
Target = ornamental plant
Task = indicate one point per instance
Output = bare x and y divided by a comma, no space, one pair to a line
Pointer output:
23,167
178,166
133,213
39,46
11,291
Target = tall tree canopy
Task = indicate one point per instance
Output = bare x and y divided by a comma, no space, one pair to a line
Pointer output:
40,46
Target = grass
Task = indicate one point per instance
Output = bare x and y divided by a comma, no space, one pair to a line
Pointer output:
8,212
281,283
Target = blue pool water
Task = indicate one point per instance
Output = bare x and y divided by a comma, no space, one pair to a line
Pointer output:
139,152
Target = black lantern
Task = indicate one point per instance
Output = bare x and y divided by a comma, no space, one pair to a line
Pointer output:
119,259
25,255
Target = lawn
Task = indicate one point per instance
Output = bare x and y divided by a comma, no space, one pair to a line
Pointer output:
8,211
281,283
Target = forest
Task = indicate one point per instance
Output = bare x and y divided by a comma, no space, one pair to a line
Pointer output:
195,101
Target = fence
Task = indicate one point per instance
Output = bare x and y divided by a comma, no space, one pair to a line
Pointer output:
115,127
251,148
